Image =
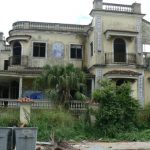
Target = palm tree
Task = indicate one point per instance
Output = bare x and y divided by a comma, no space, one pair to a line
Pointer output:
62,83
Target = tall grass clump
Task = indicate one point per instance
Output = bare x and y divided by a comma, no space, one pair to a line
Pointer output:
9,117
57,121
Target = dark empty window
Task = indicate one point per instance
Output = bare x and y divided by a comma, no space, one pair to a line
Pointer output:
76,51
16,59
17,49
91,46
6,64
39,49
119,50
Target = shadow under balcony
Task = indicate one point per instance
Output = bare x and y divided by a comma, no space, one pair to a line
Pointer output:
128,58
18,60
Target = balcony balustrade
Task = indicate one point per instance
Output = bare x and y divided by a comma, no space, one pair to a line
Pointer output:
117,7
18,60
129,58
49,26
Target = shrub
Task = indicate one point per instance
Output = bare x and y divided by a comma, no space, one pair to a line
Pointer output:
144,116
117,110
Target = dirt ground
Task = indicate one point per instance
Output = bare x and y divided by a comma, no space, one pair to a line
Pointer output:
112,146
101,146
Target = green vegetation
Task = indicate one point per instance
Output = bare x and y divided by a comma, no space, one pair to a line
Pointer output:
9,117
66,127
117,110
118,117
57,121
62,83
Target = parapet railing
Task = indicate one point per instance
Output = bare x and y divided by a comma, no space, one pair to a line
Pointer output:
75,106
12,103
49,26
18,60
117,7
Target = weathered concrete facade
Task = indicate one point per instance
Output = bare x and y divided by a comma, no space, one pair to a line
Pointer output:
110,46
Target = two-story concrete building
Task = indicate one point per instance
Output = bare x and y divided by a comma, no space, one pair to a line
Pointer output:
110,46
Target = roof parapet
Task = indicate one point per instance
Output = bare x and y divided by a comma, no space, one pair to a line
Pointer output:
134,8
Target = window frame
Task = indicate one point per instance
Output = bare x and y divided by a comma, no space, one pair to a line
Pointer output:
126,50
76,54
39,42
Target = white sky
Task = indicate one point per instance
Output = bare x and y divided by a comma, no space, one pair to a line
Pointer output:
59,11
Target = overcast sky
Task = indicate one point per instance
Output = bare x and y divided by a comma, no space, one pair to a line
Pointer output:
59,11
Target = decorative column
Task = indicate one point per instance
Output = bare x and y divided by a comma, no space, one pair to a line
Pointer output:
139,36
139,41
98,33
99,76
141,89
20,87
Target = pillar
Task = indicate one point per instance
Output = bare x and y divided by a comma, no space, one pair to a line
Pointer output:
20,87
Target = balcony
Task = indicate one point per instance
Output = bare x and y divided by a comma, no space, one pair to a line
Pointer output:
18,60
129,58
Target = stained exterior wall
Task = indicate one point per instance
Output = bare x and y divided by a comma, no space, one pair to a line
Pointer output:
4,55
146,32
49,38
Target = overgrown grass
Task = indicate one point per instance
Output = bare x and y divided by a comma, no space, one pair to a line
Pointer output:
141,135
57,121
9,117
66,127
61,123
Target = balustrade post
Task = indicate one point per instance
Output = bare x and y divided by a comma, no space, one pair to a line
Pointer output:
136,8
98,4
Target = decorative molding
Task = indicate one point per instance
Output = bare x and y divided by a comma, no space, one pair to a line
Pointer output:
99,76
98,32
124,33
139,36
109,13
24,37
98,22
141,89
99,73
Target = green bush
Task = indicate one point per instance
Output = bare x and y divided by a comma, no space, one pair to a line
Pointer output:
144,117
117,110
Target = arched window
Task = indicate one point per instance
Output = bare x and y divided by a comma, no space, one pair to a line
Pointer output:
119,50
16,53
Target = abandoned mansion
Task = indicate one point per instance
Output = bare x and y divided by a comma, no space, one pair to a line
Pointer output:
113,46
